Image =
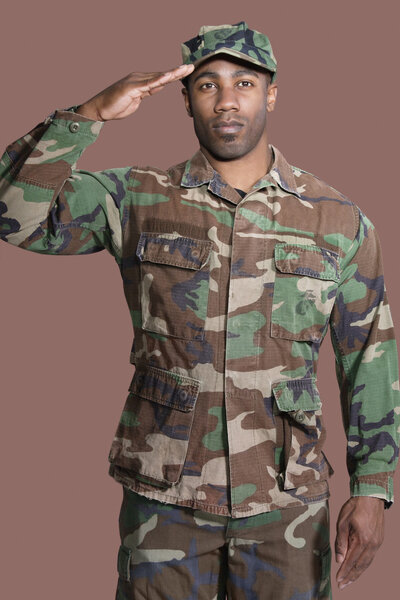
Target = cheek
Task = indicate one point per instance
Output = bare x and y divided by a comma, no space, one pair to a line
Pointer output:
200,117
259,117
199,111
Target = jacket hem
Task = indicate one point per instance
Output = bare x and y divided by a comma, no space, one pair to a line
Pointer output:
161,496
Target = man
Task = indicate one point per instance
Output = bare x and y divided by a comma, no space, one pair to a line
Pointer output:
234,265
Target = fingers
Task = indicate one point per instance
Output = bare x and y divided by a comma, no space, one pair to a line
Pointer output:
180,72
359,535
349,563
359,557
342,536
123,97
161,79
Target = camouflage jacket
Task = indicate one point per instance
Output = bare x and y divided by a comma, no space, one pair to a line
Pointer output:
230,300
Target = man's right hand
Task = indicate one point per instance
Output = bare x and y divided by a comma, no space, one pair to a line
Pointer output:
123,97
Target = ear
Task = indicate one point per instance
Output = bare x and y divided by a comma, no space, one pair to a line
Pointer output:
272,93
185,94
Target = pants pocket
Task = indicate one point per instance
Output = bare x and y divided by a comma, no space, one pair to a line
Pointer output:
124,563
325,592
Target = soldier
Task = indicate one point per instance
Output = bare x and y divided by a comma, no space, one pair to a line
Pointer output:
235,264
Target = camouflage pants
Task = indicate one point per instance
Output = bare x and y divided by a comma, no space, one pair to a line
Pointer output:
171,552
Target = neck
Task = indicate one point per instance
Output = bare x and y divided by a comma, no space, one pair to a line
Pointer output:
243,172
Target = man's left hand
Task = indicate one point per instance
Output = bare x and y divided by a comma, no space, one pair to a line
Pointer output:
360,529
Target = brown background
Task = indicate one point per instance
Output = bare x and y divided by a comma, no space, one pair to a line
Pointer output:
65,327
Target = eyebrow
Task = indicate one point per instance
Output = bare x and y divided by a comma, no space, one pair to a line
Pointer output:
215,75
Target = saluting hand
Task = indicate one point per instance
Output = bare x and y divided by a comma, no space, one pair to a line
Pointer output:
123,97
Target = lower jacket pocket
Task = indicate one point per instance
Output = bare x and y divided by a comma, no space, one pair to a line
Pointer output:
152,437
299,406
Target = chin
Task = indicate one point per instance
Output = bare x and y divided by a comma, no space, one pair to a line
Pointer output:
228,154
228,151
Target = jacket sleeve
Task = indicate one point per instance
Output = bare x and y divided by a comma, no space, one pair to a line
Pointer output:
49,206
367,367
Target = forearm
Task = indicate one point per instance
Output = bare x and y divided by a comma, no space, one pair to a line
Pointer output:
49,206
367,369
34,170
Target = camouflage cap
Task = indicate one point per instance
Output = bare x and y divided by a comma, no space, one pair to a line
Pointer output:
237,40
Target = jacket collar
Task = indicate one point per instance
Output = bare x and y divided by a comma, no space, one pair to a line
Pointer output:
198,171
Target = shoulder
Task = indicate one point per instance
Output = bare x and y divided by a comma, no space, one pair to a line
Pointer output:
312,185
342,210
309,187
320,189
149,175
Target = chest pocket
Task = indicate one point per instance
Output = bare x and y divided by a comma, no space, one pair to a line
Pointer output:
174,279
304,291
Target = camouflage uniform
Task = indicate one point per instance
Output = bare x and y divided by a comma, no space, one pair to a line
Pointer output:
230,300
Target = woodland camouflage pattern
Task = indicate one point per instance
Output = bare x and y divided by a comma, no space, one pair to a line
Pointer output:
237,40
194,554
230,300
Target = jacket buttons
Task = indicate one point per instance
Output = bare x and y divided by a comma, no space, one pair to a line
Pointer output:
300,416
74,127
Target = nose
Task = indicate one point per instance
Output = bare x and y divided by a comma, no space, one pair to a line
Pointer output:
226,99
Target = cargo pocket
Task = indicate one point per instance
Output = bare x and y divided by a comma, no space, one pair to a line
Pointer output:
152,437
304,291
124,563
299,406
325,592
174,280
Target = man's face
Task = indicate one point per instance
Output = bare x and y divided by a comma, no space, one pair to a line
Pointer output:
229,101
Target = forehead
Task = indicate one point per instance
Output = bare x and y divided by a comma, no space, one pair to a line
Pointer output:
223,64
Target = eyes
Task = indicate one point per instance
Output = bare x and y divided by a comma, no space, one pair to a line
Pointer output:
209,85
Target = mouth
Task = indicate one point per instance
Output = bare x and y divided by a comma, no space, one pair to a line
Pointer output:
230,126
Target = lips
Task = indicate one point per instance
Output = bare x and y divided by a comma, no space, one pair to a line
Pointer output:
230,126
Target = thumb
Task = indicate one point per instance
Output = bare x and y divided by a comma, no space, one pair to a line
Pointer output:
339,558
341,542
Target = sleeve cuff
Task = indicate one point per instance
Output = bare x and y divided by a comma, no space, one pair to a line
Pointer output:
379,485
71,122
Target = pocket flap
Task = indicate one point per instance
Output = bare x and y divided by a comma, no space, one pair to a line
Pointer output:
168,249
165,387
296,394
312,261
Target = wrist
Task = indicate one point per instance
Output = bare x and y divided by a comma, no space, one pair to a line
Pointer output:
89,111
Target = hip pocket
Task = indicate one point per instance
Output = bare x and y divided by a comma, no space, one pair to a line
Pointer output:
152,437
299,406
124,563
174,280
325,592
305,289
